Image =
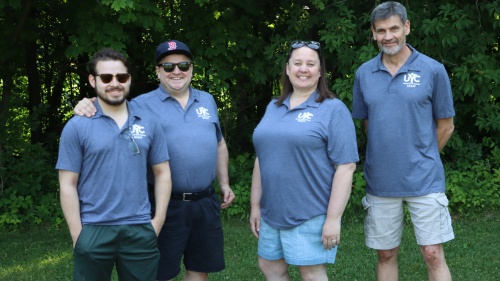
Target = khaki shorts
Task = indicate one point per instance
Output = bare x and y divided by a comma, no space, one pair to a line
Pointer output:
385,219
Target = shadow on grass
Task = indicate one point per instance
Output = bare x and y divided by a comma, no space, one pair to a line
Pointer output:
36,254
46,254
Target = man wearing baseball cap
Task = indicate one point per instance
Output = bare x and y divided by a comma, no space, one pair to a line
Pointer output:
198,154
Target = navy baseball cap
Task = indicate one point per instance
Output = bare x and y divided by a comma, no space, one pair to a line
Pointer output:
172,47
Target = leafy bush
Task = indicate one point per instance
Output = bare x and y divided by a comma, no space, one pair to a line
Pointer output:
474,187
240,173
29,190
354,209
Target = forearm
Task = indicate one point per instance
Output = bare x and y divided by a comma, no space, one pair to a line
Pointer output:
341,191
444,130
162,190
256,188
70,205
222,164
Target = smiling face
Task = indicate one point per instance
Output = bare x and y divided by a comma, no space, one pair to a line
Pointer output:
303,69
175,82
114,92
391,34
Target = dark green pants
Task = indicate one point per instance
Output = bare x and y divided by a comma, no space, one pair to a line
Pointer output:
132,248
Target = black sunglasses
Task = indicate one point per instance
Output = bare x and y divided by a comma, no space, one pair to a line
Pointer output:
311,44
169,67
120,77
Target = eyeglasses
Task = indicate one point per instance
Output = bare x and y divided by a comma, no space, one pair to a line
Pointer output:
311,44
134,148
169,67
120,77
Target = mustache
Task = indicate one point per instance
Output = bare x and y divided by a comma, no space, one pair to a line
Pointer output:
114,88
390,41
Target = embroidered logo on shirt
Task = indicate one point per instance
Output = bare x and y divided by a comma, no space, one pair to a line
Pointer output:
411,80
203,113
304,117
137,131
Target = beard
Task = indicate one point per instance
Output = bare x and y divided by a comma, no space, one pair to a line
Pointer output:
392,50
113,100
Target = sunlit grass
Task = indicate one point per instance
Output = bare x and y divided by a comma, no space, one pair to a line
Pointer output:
46,254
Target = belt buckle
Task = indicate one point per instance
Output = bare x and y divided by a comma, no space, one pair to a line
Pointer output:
184,196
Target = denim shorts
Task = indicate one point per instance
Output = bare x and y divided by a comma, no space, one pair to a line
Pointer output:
300,245
385,219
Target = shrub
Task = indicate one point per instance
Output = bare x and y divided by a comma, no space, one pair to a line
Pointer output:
474,188
29,193
471,186
240,173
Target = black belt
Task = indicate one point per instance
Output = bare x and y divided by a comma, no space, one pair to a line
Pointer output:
192,196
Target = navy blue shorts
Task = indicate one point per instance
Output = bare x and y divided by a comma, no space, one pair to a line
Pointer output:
192,229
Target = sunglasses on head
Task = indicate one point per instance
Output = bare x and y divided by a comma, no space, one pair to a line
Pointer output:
311,44
169,67
120,77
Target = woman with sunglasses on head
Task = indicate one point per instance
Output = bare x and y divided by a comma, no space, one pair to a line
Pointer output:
306,156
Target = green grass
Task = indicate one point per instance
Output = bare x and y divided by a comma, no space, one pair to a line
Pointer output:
45,254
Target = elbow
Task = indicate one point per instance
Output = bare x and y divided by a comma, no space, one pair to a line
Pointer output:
446,126
347,168
450,129
352,167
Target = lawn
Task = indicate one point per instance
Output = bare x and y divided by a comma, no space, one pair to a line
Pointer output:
45,254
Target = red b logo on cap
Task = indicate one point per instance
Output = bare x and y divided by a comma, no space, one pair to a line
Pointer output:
172,45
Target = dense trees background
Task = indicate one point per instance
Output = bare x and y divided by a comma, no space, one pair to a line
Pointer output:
239,48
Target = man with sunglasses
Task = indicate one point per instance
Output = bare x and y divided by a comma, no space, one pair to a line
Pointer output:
198,155
102,166
406,102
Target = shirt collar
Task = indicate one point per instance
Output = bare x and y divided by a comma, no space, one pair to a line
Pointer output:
163,94
310,102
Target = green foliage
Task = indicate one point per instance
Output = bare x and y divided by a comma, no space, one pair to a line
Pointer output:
354,207
239,54
474,186
29,188
240,171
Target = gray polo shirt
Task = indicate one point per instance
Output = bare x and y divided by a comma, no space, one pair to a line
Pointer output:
402,157
297,151
192,136
112,185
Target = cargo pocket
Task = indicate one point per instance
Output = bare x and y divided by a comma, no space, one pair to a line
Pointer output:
366,207
445,218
